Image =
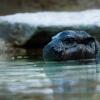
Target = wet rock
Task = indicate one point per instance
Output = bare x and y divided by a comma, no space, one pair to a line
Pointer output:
9,52
34,30
15,34
28,29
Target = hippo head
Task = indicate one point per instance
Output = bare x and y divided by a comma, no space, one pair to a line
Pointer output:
71,45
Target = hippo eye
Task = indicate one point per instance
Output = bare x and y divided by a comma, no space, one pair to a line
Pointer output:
69,40
88,40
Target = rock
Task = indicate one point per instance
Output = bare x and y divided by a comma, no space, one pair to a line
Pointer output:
9,52
16,33
21,27
46,5
71,45
34,30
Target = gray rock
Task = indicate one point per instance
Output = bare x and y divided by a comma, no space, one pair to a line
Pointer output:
15,33
34,30
37,28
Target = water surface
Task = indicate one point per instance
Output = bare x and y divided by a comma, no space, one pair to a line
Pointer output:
24,79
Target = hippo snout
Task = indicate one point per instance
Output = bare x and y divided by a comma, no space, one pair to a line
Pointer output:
53,50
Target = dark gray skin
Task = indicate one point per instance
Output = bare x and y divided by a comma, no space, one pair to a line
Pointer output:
71,45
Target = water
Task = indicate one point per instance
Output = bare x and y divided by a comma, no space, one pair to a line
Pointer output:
24,79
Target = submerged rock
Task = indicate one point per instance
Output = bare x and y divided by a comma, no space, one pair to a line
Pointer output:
71,45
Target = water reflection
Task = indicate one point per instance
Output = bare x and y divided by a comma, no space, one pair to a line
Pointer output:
27,80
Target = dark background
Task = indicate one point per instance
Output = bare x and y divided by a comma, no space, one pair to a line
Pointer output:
14,6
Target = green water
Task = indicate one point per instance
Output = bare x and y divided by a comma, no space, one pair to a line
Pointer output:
24,79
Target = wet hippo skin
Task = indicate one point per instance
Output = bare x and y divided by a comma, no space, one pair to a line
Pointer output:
71,45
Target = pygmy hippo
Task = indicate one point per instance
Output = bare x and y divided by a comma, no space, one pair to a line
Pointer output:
71,45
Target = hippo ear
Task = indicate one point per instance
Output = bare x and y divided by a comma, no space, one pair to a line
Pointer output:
56,36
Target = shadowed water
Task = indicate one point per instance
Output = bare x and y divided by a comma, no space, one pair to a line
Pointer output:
24,79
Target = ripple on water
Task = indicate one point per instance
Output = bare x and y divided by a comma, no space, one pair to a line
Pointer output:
49,79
